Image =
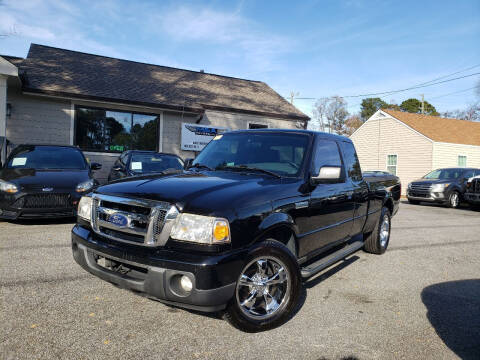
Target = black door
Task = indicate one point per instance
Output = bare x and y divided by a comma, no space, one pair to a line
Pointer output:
331,205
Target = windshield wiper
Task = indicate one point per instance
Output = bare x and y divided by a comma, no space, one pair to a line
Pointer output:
249,168
200,166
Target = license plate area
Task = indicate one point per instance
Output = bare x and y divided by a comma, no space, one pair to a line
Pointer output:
121,268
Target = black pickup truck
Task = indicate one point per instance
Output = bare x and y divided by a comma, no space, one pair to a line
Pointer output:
256,213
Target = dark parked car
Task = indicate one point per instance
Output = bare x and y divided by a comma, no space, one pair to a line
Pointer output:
444,186
472,192
44,181
258,212
136,162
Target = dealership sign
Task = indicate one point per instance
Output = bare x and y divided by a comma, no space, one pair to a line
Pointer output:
195,137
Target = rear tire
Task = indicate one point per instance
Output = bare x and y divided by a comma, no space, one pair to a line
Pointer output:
377,241
267,290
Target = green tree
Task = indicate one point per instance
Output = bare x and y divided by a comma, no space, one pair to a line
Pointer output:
415,106
369,106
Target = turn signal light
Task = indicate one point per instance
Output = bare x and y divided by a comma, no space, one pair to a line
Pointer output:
221,230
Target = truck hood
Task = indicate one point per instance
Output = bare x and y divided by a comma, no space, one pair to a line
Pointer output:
206,193
32,178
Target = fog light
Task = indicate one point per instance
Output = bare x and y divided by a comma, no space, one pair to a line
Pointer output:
186,283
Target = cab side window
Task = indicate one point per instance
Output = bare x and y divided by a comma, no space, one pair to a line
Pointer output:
326,154
351,161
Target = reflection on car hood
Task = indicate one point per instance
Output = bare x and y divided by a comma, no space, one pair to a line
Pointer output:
62,179
205,192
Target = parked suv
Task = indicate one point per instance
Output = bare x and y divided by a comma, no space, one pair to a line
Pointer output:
257,212
44,181
443,186
137,162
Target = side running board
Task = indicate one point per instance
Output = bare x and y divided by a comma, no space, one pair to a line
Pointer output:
331,259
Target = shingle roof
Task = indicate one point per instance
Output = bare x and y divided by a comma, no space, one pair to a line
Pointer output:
63,72
440,129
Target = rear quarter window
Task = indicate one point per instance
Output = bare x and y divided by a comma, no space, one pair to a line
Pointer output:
352,164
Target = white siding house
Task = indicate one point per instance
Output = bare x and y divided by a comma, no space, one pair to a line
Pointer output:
411,145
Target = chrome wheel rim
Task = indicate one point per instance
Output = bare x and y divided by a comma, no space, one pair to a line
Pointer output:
384,230
263,288
454,200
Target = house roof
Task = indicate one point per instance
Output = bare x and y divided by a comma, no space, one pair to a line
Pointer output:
60,72
440,129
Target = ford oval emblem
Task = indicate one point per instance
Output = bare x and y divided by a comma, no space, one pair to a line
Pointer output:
47,189
118,220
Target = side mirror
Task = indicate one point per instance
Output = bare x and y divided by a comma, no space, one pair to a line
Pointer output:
95,166
187,163
328,174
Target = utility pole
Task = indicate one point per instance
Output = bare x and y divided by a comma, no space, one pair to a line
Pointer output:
292,96
423,105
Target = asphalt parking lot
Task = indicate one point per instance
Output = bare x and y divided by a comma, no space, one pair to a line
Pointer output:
421,300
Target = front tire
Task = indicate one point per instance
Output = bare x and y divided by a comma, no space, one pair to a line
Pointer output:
267,289
413,202
453,200
377,241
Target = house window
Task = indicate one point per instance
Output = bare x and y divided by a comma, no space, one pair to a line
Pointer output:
257,126
462,160
115,131
392,164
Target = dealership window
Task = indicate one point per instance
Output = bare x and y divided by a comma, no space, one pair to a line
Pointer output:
392,164
115,131
462,160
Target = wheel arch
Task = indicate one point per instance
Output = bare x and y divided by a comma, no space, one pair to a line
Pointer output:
388,203
280,227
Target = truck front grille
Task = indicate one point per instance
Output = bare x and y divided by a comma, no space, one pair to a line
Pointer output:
138,221
475,187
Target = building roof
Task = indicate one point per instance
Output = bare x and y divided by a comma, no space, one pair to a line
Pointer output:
60,72
440,129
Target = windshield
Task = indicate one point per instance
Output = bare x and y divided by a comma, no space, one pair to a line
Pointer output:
47,157
151,163
282,154
442,174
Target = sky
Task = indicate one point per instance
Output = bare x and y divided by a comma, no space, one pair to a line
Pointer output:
312,48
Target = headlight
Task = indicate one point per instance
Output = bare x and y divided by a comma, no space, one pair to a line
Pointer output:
409,186
85,208
85,186
201,229
439,187
8,187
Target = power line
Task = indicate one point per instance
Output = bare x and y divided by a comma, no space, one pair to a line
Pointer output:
410,88
455,73
455,92
421,85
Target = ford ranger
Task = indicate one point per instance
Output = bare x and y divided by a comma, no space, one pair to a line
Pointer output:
255,214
